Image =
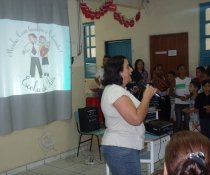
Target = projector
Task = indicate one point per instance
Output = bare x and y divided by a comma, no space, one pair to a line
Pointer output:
159,127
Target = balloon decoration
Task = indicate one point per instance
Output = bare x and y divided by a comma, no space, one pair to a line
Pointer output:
109,6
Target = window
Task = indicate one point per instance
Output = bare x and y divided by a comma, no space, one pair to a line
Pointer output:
205,34
89,49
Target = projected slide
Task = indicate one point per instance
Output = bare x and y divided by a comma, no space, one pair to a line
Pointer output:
34,58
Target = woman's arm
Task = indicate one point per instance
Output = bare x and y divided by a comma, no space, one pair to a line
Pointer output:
134,115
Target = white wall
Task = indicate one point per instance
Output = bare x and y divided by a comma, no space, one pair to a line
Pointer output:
162,16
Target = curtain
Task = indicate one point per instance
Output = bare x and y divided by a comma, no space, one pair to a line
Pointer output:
35,69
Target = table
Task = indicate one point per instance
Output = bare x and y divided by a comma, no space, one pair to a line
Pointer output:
154,149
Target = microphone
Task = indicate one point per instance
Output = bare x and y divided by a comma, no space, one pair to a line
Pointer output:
156,94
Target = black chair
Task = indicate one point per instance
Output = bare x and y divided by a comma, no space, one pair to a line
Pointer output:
98,133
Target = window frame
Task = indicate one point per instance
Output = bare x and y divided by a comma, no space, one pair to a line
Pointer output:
89,61
204,54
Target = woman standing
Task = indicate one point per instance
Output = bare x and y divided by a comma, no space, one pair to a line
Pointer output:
139,74
161,82
124,116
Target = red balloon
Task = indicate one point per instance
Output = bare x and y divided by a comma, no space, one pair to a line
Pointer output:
87,14
122,20
132,22
137,17
126,23
113,7
116,16
109,3
92,15
97,14
84,6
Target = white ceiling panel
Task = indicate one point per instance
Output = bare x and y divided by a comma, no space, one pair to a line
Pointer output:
136,4
129,3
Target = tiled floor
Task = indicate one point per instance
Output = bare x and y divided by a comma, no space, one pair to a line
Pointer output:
78,166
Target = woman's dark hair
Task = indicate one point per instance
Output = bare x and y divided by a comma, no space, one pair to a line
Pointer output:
196,83
208,68
136,63
172,73
204,82
207,73
107,56
112,71
201,68
179,66
188,153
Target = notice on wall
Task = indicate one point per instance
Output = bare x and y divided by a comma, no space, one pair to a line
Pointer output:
172,53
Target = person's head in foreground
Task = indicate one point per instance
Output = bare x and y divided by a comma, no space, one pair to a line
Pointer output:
187,153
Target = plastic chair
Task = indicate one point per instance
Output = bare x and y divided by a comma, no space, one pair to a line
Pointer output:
98,133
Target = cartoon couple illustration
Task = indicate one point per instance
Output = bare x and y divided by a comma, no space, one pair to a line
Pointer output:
37,51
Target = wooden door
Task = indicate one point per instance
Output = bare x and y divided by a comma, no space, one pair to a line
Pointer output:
169,50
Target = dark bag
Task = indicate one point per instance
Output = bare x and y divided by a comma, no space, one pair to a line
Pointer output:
88,118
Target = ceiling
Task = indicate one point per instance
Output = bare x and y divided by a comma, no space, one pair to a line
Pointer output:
136,4
129,3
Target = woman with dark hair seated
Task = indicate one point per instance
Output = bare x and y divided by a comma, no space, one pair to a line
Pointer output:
187,153
124,116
